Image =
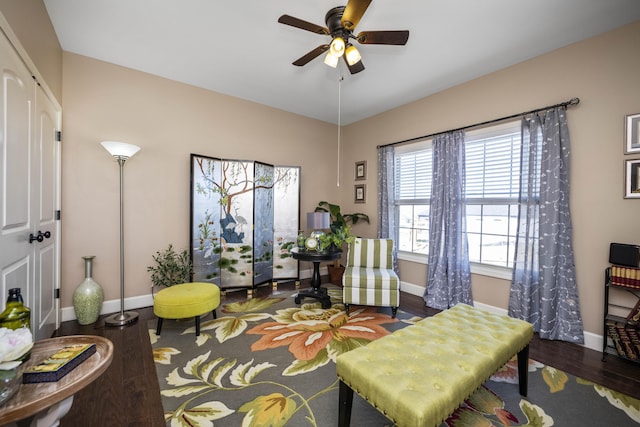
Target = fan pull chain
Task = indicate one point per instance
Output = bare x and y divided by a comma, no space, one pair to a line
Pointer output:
340,79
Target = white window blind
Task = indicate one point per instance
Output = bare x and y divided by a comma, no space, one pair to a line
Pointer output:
493,163
413,175
492,166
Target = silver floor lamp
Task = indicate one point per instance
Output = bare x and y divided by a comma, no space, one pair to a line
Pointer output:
121,151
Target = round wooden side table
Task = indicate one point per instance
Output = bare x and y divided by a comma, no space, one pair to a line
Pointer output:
50,401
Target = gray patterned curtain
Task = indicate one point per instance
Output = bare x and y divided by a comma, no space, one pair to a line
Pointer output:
448,277
386,191
544,290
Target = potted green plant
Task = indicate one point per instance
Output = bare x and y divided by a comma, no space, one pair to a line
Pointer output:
340,234
171,267
338,219
335,240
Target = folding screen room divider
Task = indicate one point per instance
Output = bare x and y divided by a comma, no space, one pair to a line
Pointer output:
244,221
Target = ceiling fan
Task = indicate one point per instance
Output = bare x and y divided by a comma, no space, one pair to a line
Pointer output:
341,22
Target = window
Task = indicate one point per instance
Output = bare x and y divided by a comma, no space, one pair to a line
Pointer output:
491,190
413,190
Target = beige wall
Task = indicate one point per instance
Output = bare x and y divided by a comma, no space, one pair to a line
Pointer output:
603,73
31,24
169,120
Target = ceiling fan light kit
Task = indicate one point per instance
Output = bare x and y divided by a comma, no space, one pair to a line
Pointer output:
353,56
341,21
337,47
331,60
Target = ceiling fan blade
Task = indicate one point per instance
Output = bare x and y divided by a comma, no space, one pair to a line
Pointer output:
355,68
383,37
303,25
353,12
303,60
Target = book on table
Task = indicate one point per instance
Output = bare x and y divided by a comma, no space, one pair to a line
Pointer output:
59,364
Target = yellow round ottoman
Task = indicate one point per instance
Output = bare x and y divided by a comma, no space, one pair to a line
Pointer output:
186,300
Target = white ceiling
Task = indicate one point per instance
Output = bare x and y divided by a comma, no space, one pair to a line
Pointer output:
238,48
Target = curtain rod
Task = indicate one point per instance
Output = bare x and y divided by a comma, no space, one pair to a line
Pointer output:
571,102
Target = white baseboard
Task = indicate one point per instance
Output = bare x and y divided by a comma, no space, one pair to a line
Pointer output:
113,306
306,274
412,289
591,340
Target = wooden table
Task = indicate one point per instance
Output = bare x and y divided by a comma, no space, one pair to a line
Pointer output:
49,402
316,258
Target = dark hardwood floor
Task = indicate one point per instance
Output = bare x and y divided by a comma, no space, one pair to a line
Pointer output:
127,394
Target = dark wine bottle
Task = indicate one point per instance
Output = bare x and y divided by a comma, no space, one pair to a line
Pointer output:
16,314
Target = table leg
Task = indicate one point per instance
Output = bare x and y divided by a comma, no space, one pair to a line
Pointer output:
51,417
523,370
316,290
315,278
345,400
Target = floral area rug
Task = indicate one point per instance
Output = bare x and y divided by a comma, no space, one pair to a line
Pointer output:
271,362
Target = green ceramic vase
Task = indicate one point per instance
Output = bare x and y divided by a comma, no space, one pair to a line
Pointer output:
88,296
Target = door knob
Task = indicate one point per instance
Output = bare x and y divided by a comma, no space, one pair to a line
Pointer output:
40,237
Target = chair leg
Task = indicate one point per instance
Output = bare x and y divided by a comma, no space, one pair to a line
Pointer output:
394,311
197,326
346,307
345,401
159,326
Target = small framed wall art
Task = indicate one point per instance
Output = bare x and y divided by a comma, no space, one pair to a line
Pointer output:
632,179
361,170
361,192
632,134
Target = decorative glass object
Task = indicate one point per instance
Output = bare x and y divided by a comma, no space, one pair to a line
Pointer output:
10,380
16,314
15,347
88,296
301,239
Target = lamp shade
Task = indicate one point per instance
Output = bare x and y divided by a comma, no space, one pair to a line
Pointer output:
318,220
331,60
120,149
353,56
337,47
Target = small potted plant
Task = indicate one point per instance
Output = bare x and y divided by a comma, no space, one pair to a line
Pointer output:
340,234
171,267
335,240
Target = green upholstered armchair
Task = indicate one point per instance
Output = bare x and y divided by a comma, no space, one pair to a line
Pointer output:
369,278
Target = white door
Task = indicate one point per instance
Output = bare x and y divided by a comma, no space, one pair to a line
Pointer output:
29,185
46,254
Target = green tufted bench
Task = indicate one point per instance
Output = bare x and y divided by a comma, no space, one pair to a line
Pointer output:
419,375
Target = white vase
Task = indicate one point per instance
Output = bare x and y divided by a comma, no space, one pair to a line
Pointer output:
88,296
